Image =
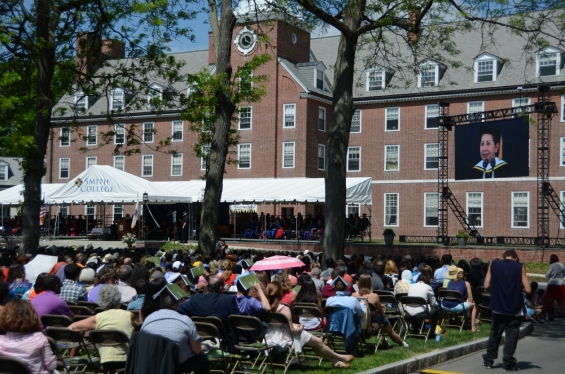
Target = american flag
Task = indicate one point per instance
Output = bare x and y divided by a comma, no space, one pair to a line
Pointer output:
42,215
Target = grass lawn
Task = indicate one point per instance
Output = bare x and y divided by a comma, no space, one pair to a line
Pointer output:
395,353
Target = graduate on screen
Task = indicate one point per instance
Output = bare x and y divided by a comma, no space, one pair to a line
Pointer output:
491,164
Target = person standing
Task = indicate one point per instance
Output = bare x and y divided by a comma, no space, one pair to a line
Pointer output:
555,286
506,280
185,228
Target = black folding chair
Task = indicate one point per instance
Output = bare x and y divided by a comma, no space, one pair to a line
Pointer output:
63,338
417,322
242,329
11,365
110,338
279,321
449,319
48,320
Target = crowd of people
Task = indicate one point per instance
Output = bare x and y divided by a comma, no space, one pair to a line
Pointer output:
129,287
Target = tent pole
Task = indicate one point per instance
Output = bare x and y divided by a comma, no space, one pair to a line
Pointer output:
234,218
86,211
296,222
264,222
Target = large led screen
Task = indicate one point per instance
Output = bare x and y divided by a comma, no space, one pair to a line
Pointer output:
495,149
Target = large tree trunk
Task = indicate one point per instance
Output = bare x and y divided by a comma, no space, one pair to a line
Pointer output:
34,165
220,140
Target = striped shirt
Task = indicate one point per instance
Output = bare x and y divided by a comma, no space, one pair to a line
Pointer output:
32,348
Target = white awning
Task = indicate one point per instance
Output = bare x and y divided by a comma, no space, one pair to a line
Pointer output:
280,190
14,195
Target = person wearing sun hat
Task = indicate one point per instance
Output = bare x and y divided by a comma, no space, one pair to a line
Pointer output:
457,282
450,275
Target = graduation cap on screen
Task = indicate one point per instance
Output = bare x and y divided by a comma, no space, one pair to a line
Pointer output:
339,278
174,290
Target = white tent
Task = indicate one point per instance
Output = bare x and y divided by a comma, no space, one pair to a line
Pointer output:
105,184
14,195
278,190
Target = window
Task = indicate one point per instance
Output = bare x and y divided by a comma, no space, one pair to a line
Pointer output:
375,80
64,166
147,166
321,119
246,82
485,71
391,209
155,96
562,206
356,121
520,208
475,208
120,162
289,119
431,206
119,133
92,135
245,118
90,161
65,138
432,114
517,103
475,109
90,211
319,79
148,132
428,75
562,151
117,99
354,159
563,108
204,159
63,210
176,164
548,63
244,156
4,172
81,101
392,119
118,211
353,209
177,131
321,157
392,154
431,156
288,155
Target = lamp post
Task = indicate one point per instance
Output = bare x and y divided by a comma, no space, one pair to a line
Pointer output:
145,200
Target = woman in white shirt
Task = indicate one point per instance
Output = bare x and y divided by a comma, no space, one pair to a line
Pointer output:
423,289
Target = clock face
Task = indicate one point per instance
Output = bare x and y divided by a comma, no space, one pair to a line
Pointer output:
245,41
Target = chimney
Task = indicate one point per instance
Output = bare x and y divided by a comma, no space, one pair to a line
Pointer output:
87,53
112,49
211,50
412,17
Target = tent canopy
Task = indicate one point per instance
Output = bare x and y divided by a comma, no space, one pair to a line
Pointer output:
278,190
106,184
14,195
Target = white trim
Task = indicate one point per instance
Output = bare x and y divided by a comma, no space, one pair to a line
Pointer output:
62,135
250,117
143,175
426,117
360,121
562,119
516,104
386,118
425,206
482,108
293,76
562,219
293,155
426,155
124,161
436,72
397,157
155,91
202,164
375,69
347,160
239,146
512,211
173,131
81,96
121,126
69,167
486,58
321,108
316,70
114,91
87,206
558,60
173,156
482,207
5,173
318,158
91,158
114,211
284,115
562,152
95,127
397,209
152,133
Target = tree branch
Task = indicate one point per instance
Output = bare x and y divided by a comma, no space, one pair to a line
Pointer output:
327,18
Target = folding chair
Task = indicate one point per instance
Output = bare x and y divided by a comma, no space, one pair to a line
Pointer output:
53,320
242,328
109,338
482,302
416,321
62,338
219,325
329,311
448,318
90,305
383,293
208,331
99,310
399,306
11,365
279,321
310,310
81,310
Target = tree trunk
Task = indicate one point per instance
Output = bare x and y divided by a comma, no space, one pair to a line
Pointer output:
220,139
34,165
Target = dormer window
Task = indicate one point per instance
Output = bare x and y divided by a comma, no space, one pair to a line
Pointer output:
117,99
313,72
430,74
81,101
4,168
375,80
319,79
487,67
155,95
549,62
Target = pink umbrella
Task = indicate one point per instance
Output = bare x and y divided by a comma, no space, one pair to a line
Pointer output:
277,262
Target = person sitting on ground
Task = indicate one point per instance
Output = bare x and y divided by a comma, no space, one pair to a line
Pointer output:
105,276
113,318
377,319
404,283
17,281
48,302
534,312
423,289
71,291
24,338
299,338
160,317
458,283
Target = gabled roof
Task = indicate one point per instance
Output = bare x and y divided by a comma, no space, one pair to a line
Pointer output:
305,78
15,173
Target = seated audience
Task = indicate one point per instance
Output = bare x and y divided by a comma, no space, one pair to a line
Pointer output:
423,289
48,302
71,291
391,271
17,281
309,294
36,289
458,283
250,305
288,295
404,283
86,278
105,276
124,277
140,288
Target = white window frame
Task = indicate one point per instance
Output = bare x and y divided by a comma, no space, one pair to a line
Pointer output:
391,147
120,129
376,72
242,80
205,149
177,131
427,65
176,160
250,108
322,158
321,118
558,60
386,207
355,113
91,131
63,210
114,95
427,147
67,143
4,171
426,194
562,153
482,214
68,161
293,155
352,208
494,69
562,220
92,208
293,114
426,109
155,91
316,79
117,209
143,160
123,161
562,108
81,100
239,155
517,102
148,134
390,110
348,159
89,160
482,110
513,222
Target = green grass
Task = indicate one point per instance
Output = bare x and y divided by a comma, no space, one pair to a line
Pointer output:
178,246
395,353
536,267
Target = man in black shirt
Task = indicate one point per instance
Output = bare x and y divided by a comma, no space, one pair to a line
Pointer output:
185,228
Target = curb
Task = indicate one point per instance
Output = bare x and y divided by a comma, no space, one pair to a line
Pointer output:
441,355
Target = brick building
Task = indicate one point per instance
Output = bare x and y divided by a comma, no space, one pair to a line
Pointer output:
394,135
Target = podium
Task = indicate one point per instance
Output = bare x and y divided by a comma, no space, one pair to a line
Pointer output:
124,226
